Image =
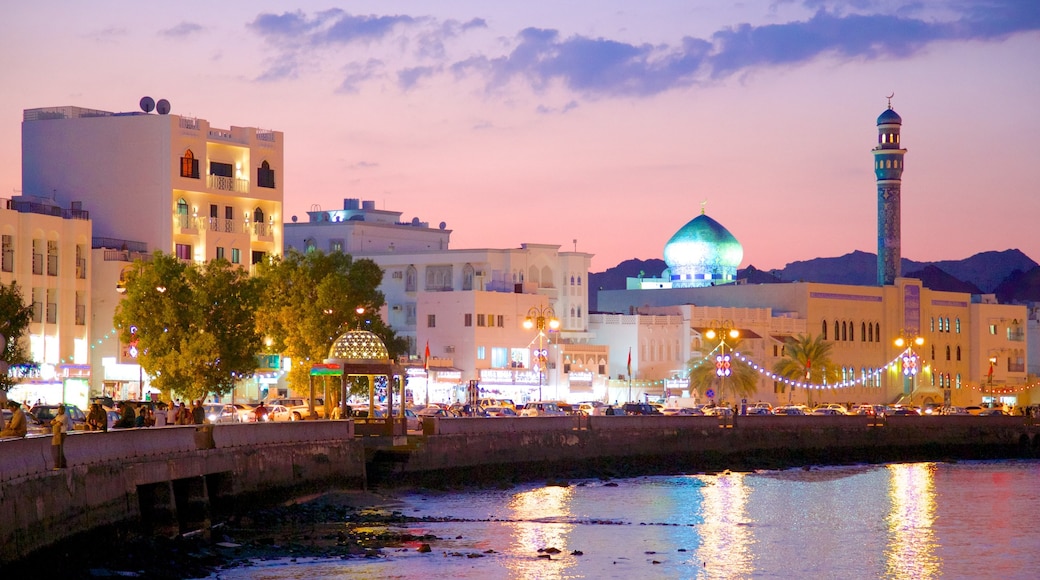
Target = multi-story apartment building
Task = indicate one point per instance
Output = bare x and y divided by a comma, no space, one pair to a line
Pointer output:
470,305
154,182
46,252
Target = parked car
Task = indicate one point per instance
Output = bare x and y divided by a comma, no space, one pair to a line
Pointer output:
902,412
33,426
685,411
300,408
591,408
45,413
826,411
995,412
496,403
756,410
541,409
499,412
213,412
640,409
789,410
863,410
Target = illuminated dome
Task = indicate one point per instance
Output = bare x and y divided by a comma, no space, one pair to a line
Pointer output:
359,345
702,253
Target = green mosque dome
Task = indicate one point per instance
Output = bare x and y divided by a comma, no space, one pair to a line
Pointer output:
702,253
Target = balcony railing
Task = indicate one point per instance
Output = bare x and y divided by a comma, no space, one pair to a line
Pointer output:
52,313
262,230
185,221
1016,367
81,268
227,183
38,264
8,260
52,265
1018,335
37,312
81,315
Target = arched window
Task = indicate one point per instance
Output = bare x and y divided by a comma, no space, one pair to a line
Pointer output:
947,324
947,352
870,332
411,277
931,324
957,325
182,207
265,175
844,331
837,330
467,277
258,216
862,332
823,330
933,352
852,331
189,165
877,331
579,280
958,353
309,245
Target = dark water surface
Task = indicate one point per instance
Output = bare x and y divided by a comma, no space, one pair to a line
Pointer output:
921,520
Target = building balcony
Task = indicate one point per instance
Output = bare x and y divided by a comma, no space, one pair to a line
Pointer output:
186,224
219,182
262,232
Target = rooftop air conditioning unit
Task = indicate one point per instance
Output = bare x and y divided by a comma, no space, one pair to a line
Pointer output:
449,349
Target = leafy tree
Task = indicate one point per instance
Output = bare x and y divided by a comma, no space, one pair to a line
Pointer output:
310,299
741,383
194,325
15,317
807,359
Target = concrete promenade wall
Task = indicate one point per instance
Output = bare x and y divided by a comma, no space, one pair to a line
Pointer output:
532,445
107,474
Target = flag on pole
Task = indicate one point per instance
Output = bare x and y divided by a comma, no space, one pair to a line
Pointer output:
629,366
426,357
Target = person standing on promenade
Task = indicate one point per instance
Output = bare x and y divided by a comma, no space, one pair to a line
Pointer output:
16,427
59,428
198,413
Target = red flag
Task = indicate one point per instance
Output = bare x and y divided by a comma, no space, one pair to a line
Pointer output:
629,366
426,357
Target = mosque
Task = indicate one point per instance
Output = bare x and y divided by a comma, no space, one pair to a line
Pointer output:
973,349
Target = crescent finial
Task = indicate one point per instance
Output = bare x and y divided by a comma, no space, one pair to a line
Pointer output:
889,97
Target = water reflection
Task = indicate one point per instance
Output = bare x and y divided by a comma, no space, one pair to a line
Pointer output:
725,537
911,539
540,519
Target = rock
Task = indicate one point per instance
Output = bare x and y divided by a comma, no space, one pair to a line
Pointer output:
424,548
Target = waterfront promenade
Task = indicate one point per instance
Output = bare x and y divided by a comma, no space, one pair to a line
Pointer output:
174,480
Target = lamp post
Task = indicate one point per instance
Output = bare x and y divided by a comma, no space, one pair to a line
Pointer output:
541,318
910,362
723,368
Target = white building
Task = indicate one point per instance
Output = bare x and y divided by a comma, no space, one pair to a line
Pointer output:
46,252
154,182
469,305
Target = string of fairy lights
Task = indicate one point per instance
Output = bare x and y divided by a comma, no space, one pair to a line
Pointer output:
907,360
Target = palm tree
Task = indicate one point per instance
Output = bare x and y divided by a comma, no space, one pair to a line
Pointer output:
740,384
807,359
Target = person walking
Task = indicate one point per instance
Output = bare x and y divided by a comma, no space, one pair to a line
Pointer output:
17,426
59,428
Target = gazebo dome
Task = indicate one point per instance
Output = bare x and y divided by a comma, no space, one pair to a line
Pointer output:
359,345
702,253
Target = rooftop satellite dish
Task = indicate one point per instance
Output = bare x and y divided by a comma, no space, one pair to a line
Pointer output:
443,225
147,104
162,107
293,219
415,221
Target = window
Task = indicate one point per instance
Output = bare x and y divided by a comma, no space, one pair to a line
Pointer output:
258,216
410,279
957,325
870,333
877,331
189,165
467,319
844,331
480,320
852,331
337,246
823,330
931,324
499,357
221,169
52,258
184,251
467,277
947,352
182,207
431,321
220,253
81,309
52,306
958,353
481,353
37,304
265,175
229,212
257,257
993,329
7,258
947,324
236,256
309,245
837,331
501,321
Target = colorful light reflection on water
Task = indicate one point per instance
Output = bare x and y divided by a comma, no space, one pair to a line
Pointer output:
926,520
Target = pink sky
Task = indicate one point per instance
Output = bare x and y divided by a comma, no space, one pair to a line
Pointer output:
595,121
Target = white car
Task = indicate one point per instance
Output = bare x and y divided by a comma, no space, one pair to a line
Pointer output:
541,409
280,413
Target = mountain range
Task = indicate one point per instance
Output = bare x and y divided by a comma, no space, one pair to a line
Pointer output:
1011,275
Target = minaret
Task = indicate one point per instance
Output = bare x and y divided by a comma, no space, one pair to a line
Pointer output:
888,166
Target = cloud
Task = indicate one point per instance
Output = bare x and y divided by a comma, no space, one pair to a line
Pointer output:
546,110
355,74
599,67
181,30
364,165
408,77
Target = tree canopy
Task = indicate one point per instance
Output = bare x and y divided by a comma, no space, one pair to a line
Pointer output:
807,359
15,317
309,300
742,381
194,325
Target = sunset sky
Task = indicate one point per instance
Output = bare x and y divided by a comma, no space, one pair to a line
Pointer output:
602,121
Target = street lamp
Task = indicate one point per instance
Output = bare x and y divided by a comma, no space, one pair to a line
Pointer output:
910,362
540,318
723,365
